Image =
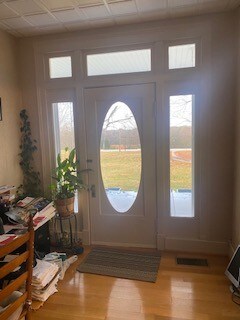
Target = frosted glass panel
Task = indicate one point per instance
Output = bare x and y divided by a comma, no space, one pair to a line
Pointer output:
60,67
182,56
120,153
119,62
181,160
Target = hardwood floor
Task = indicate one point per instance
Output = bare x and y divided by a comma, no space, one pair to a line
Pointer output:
181,292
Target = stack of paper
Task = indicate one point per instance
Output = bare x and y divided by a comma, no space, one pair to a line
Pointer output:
7,193
26,201
6,239
46,214
60,259
20,214
44,282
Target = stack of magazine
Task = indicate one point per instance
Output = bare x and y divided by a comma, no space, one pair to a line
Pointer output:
44,281
42,208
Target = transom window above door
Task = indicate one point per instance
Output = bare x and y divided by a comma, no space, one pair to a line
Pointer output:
182,56
119,62
60,67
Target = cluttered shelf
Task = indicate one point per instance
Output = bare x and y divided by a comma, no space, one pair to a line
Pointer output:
40,208
13,218
64,228
49,268
16,275
45,273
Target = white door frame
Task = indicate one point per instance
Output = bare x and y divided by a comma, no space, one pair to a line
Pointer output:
136,97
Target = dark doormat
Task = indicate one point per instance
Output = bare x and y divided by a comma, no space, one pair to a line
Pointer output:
192,262
122,264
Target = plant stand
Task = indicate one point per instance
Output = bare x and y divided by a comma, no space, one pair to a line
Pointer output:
73,240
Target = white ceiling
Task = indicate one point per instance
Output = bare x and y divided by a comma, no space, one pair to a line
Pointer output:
32,17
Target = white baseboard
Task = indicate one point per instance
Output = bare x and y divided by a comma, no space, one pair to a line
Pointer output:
86,237
231,250
170,244
160,242
116,244
192,245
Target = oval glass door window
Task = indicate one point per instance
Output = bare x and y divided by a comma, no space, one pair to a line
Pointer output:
120,157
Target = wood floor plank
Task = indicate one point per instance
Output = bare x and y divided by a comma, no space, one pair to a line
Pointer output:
180,293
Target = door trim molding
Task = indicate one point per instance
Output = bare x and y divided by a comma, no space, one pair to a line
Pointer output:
137,93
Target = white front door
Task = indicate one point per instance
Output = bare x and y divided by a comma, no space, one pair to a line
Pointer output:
120,126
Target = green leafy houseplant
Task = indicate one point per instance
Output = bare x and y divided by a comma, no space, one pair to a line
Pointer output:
31,178
67,181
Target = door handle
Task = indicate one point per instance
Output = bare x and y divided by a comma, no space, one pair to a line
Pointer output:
93,191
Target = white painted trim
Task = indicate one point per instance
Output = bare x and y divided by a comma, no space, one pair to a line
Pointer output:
116,244
157,34
160,242
192,245
86,237
231,250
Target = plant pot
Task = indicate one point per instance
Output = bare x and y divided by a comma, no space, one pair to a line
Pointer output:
65,207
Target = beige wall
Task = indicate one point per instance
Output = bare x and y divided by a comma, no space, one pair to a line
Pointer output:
221,134
236,220
29,93
10,93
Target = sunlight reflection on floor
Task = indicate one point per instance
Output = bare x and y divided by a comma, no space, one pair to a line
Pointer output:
182,295
131,300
